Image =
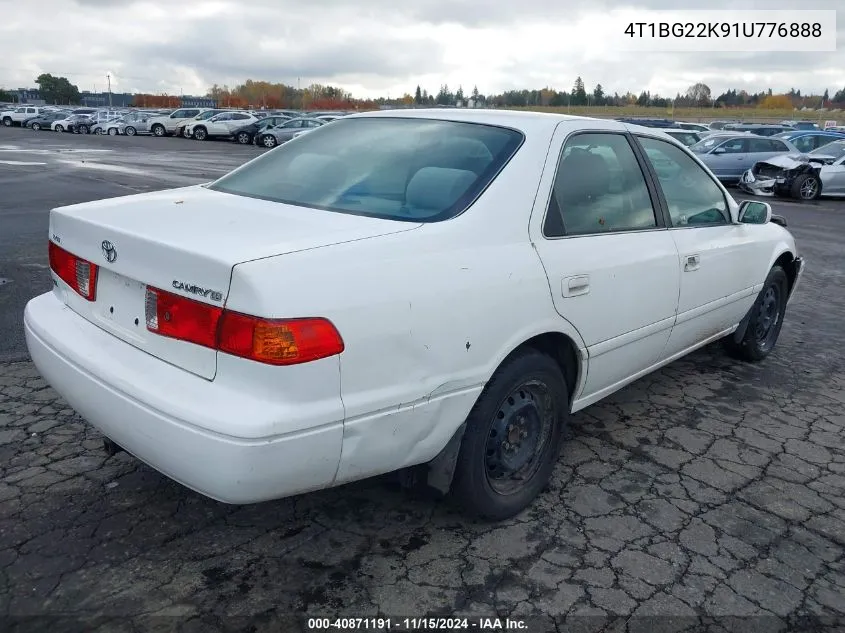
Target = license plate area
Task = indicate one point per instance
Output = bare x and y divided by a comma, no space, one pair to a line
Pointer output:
120,303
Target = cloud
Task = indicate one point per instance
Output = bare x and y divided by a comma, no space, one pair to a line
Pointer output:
380,47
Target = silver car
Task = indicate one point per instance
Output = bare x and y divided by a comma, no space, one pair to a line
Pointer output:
730,155
283,133
130,125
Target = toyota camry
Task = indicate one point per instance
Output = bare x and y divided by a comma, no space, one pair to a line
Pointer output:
431,292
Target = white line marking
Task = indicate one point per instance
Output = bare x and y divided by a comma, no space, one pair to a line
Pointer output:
19,162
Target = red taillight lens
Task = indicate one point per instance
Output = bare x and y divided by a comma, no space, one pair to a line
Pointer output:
270,341
278,341
78,273
184,319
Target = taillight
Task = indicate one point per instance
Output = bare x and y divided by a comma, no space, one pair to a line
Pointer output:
278,341
78,273
270,341
184,319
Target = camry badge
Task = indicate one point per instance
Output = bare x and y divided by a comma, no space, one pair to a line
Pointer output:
109,251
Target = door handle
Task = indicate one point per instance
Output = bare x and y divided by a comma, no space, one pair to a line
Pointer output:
575,286
691,263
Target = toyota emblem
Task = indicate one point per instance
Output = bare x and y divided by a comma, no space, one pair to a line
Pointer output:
109,251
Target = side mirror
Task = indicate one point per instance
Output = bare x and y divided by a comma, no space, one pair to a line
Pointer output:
719,150
753,212
779,219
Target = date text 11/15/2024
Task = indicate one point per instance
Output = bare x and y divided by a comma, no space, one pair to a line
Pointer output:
416,624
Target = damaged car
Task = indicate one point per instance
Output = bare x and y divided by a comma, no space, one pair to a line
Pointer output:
801,176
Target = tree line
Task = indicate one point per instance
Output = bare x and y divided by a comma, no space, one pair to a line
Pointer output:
264,94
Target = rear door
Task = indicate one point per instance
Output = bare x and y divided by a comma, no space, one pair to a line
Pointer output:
720,263
612,265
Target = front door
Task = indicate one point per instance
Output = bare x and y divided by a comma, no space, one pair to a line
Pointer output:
611,263
719,262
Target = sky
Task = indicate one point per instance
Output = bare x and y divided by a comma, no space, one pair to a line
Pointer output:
375,48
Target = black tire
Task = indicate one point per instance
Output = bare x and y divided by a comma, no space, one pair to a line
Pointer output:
7,121
806,187
244,138
130,131
765,320
60,128
35,126
520,415
113,131
268,140
200,134
83,129
158,130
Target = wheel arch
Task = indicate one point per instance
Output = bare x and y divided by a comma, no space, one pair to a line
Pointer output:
786,260
562,348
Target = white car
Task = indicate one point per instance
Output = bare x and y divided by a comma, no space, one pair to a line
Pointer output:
425,289
219,126
19,115
167,124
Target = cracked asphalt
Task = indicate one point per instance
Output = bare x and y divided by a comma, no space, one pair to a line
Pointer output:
706,496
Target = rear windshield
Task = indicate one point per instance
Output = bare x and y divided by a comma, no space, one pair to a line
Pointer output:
417,170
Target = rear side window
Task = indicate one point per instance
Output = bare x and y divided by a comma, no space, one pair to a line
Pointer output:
599,188
407,169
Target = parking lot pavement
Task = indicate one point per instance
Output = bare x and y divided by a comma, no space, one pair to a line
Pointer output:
709,487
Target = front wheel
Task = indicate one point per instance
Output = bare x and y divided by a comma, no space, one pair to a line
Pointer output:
158,130
7,121
244,138
269,141
112,131
130,131
200,134
764,321
83,129
35,126
512,438
60,128
806,187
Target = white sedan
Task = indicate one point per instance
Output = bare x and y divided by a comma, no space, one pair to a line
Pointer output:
425,291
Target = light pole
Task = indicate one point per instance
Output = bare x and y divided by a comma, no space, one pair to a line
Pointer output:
108,78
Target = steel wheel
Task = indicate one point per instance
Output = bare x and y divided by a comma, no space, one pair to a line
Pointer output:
519,433
768,316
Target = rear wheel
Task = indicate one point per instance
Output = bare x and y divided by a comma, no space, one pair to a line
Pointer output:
268,140
83,129
200,134
130,131
112,131
7,121
244,138
512,438
158,130
806,187
764,321
36,126
60,128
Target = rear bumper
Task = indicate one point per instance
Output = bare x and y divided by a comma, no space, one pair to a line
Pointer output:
157,412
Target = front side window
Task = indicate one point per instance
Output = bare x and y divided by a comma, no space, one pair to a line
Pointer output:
693,197
735,146
599,188
405,169
805,143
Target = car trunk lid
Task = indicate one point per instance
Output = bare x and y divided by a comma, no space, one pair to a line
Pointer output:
186,241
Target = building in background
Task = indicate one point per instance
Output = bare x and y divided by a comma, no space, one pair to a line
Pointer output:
189,101
101,99
27,95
